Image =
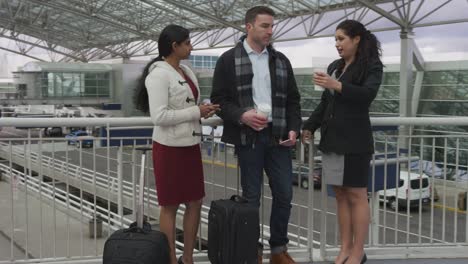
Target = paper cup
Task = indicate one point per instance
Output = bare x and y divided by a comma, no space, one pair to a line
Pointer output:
264,109
318,87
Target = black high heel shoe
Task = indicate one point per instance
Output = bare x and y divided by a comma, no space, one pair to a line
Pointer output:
364,259
180,261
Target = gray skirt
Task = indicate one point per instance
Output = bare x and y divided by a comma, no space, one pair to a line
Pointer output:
348,170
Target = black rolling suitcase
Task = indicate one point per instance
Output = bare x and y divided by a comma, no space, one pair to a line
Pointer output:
233,230
137,244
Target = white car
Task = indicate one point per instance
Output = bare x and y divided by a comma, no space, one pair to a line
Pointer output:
413,187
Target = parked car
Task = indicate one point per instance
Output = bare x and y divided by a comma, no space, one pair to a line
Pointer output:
301,176
413,187
53,132
80,138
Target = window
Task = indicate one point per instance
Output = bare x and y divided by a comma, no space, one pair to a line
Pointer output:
203,62
400,184
416,184
75,84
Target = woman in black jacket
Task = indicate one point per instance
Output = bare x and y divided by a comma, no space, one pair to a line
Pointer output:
351,84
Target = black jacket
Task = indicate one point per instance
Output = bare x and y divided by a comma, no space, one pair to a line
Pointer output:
225,93
343,117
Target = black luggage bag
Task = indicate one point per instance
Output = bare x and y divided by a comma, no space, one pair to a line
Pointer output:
233,231
137,244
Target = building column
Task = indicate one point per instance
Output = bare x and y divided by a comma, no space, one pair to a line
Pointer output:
406,85
406,72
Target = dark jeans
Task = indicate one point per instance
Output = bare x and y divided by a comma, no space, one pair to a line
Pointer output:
276,161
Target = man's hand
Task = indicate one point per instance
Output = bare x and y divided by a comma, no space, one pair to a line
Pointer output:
291,141
255,121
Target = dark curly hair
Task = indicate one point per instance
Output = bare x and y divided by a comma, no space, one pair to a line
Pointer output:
369,46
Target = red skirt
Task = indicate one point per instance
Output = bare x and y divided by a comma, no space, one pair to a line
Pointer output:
179,174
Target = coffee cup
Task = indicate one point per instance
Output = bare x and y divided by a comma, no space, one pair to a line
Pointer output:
316,86
264,110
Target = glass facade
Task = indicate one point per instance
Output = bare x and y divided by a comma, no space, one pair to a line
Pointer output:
387,100
443,93
310,98
75,84
205,87
203,62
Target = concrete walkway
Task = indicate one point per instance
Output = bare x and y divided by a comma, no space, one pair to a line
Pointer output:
56,235
389,261
5,249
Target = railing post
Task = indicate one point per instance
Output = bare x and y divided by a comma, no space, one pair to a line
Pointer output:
310,198
375,206
119,183
375,218
134,190
323,218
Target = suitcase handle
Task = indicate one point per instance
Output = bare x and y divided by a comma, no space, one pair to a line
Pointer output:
144,149
140,205
238,199
134,228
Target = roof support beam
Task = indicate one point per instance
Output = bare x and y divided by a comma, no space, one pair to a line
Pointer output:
20,28
418,59
90,17
416,93
72,51
19,53
311,8
383,13
177,14
111,28
41,46
202,13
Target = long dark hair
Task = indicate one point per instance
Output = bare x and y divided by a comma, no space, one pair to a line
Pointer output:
169,35
369,46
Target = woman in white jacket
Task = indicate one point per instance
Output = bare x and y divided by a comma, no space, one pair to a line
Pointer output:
169,92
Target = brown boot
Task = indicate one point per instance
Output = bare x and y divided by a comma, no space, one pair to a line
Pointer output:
281,258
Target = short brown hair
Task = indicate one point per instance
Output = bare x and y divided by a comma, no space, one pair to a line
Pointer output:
253,12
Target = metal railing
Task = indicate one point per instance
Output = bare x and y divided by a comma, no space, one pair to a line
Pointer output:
55,196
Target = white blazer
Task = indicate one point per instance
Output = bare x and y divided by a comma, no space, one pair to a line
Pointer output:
173,109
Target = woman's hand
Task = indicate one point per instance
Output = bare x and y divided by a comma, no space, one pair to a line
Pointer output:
208,110
307,137
324,80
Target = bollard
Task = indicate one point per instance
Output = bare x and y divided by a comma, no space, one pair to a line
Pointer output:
462,201
98,227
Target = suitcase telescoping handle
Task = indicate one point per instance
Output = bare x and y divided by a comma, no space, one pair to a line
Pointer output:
140,205
238,199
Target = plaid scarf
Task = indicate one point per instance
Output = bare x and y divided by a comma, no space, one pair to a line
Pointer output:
244,75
